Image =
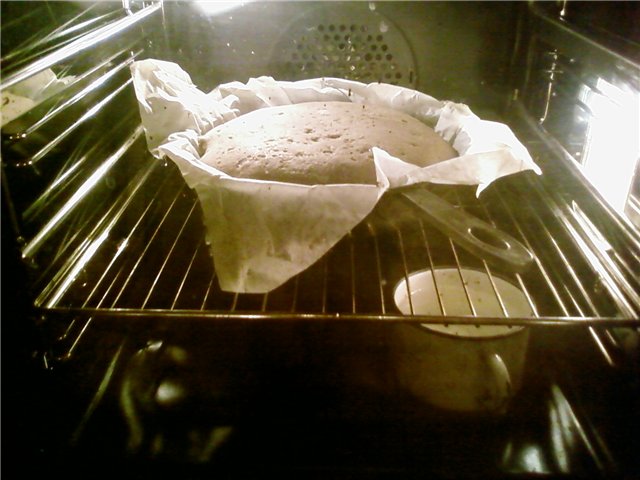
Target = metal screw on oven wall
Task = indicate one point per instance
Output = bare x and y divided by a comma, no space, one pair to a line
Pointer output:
552,73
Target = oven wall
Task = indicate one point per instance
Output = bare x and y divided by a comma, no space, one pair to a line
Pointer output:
577,82
455,50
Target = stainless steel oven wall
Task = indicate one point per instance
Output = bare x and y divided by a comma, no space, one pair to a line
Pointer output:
584,95
450,50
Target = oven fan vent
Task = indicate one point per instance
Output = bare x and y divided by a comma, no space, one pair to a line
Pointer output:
360,45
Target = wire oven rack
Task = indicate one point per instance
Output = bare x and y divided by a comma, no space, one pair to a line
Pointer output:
129,243
161,252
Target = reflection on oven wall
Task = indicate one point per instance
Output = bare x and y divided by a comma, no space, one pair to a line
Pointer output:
602,133
612,133
413,44
589,102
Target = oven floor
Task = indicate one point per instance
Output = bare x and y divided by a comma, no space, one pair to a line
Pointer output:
208,419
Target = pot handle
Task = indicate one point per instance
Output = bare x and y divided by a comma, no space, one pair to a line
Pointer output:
501,389
474,235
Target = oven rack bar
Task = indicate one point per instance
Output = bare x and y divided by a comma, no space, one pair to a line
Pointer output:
126,315
615,274
30,47
78,157
596,335
67,136
84,173
613,252
85,91
56,221
84,42
62,280
82,119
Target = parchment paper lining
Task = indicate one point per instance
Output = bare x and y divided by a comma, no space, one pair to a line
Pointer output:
263,233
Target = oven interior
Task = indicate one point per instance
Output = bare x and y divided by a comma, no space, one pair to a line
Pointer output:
131,356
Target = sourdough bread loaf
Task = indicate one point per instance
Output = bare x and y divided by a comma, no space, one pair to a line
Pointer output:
320,143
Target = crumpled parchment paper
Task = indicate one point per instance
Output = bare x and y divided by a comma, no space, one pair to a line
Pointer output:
262,233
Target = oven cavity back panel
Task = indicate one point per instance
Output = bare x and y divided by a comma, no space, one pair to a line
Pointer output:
355,42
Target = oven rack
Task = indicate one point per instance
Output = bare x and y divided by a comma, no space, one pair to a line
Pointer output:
115,234
155,267
72,36
155,262
169,259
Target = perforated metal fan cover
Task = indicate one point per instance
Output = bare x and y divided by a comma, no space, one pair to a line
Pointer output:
353,42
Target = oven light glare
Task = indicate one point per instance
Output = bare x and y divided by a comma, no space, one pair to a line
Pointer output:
613,141
213,7
532,460
170,393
